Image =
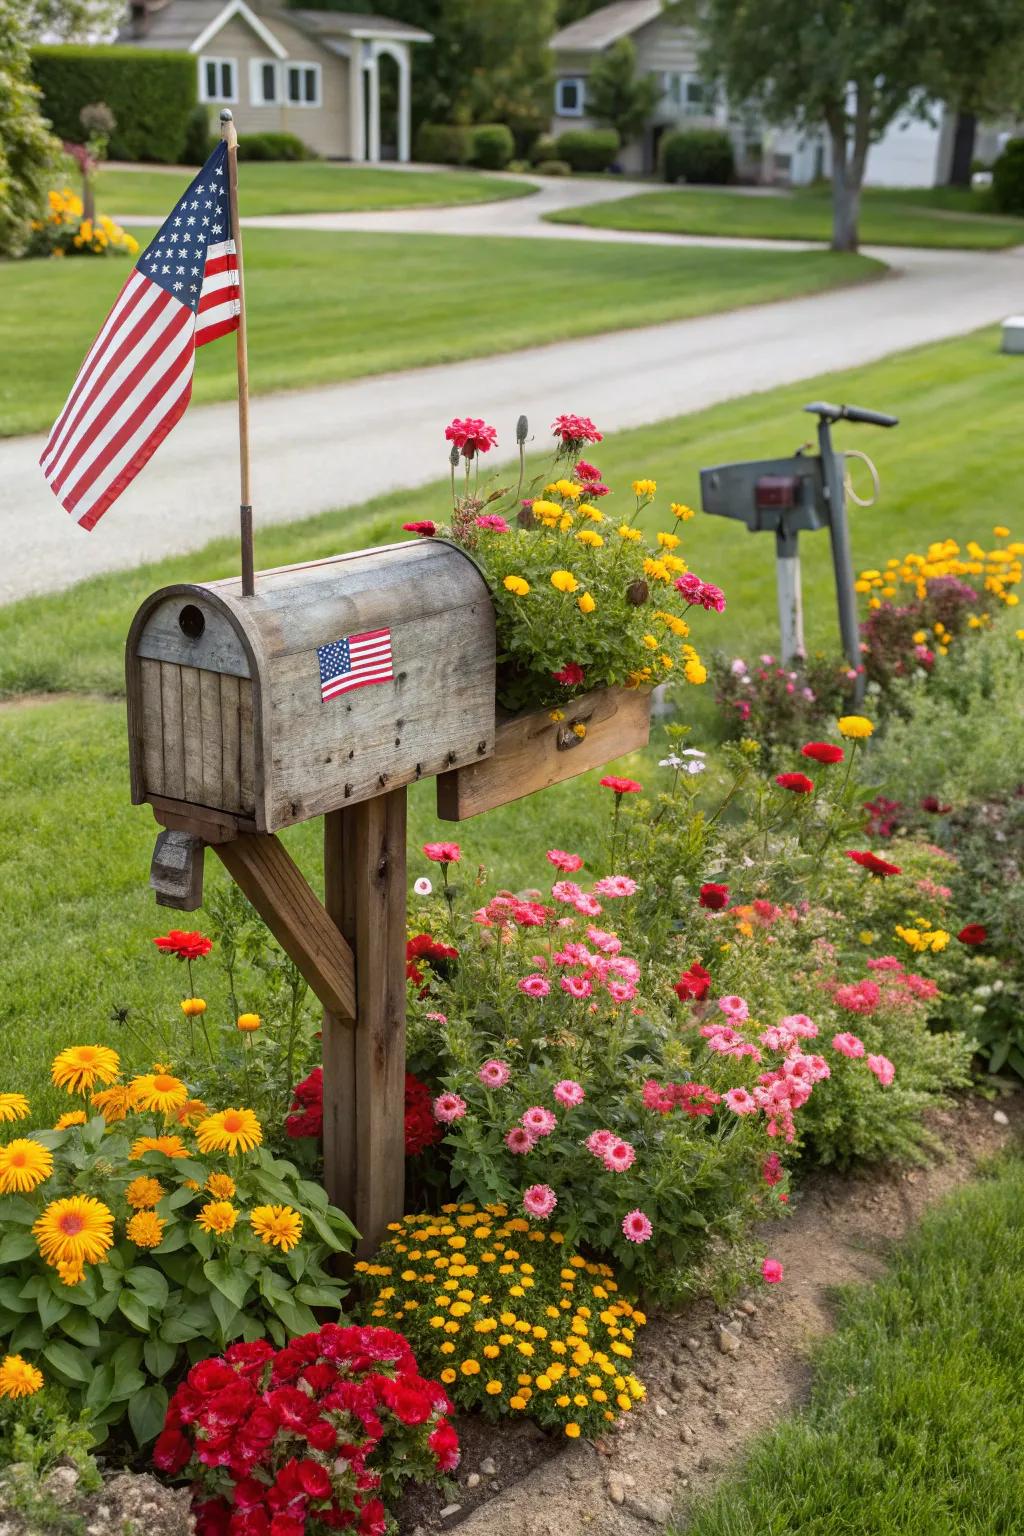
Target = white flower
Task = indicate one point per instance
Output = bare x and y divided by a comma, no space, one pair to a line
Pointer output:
693,752
422,886
672,761
692,768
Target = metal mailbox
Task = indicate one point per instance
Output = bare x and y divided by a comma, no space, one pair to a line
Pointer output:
228,707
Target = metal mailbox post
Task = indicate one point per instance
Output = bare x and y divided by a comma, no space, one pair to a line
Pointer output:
790,496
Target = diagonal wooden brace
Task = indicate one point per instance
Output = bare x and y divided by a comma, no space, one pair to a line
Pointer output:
265,872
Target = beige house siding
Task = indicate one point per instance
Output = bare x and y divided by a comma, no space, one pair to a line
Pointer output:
324,128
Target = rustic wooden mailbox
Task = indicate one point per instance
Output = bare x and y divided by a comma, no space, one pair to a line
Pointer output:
325,693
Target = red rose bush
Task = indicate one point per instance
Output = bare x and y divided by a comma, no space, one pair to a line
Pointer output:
307,1439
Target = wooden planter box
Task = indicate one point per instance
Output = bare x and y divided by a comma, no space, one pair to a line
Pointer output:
532,751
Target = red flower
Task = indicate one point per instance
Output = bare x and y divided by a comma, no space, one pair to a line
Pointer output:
423,947
314,1479
587,472
621,786
571,675
870,861
372,1519
471,435
186,946
171,1452
973,933
799,783
444,1443
307,1117
713,896
443,853
426,529
695,983
574,431
933,805
421,1129
823,752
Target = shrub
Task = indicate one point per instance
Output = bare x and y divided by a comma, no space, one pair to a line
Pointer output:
697,155
66,231
507,1318
151,94
588,149
128,1250
1008,179
553,168
273,146
312,1438
28,151
492,146
443,143
199,141
545,147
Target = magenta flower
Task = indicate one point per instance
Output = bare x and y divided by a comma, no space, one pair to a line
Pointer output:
568,863
569,1093
519,1140
538,1120
443,853
587,905
471,435
576,986
619,1156
574,431
566,890
741,1102
598,1142
449,1107
492,521
620,991
539,1200
637,1227
771,1269
734,1007
494,1074
534,986
883,1069
607,943
614,886
848,1045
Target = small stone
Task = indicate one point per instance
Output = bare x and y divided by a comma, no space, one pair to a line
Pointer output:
654,1509
420,1530
487,1466
688,1435
473,1480
748,1307
616,1492
728,1342
693,1345
1000,1117
661,1412
450,1510
61,1485
494,1487
681,1380
735,1325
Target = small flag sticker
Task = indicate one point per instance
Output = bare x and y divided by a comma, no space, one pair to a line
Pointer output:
355,661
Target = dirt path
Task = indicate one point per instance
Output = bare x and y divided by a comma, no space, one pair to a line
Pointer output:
703,1404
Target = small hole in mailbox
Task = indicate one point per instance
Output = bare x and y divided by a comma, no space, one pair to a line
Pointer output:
191,621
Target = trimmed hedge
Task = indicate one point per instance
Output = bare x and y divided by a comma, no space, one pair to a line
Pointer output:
487,145
702,155
493,146
273,146
1008,179
151,93
588,149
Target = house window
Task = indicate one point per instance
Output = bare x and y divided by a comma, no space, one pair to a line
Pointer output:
264,83
303,85
686,95
569,96
218,79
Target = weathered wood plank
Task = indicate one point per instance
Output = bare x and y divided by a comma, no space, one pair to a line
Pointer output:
176,871
231,766
217,648
213,826
173,739
152,727
213,742
532,751
366,849
192,734
338,1041
247,764
261,866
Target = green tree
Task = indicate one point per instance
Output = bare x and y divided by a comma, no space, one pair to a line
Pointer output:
850,69
617,95
28,150
979,59
71,21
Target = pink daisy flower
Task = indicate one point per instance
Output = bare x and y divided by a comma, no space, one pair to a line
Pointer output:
449,1107
539,1200
734,1007
848,1045
538,1120
607,943
637,1227
494,1074
568,863
569,1093
534,986
883,1069
620,991
576,986
741,1102
799,1024
587,905
615,885
493,521
771,1269
622,965
443,853
619,1156
598,1142
519,1140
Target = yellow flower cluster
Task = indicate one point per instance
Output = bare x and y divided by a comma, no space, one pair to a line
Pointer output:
922,939
1000,569
68,231
506,1319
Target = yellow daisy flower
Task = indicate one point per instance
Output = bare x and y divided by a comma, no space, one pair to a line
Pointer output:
18,1378
75,1231
218,1216
277,1225
24,1165
145,1230
80,1066
159,1091
13,1106
230,1130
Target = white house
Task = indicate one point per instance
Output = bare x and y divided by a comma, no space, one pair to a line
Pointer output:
316,74
911,154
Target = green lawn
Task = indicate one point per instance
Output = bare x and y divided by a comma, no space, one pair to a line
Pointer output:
77,912
319,312
307,187
887,217
917,1414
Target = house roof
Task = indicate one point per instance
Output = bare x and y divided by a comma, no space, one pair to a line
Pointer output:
594,33
180,23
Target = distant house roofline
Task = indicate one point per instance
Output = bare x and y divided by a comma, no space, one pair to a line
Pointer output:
596,32
321,26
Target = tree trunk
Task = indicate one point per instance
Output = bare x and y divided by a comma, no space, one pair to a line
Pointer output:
845,192
963,149
88,198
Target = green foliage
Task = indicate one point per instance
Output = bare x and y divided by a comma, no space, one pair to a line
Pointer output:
70,21
151,93
1008,179
443,143
701,155
508,1318
917,1411
273,146
37,1435
588,149
28,151
492,146
617,95
118,1340
553,168
544,147
199,140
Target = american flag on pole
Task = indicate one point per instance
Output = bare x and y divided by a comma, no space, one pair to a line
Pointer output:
136,380
355,661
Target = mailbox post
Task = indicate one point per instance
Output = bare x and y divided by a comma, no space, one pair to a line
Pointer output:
791,496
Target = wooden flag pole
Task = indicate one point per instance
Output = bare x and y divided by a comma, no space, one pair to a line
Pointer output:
230,137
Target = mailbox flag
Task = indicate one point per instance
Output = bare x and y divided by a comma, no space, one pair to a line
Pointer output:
136,380
355,661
